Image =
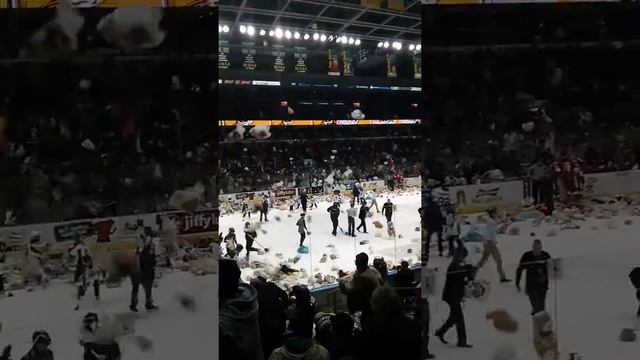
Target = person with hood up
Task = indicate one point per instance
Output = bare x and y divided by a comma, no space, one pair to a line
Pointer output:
238,320
40,350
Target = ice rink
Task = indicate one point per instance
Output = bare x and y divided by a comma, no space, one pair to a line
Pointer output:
593,301
175,332
280,236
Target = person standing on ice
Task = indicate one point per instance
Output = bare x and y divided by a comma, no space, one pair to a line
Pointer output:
387,210
452,231
334,213
371,196
231,244
145,273
356,193
245,209
537,281
490,244
459,275
302,229
314,202
250,234
303,200
634,276
264,210
351,219
363,217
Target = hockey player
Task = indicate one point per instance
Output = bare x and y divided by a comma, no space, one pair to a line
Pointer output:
537,282
145,272
85,272
452,232
364,210
40,349
634,276
334,213
387,210
351,219
491,245
371,196
250,234
337,198
302,229
231,244
245,209
314,202
459,275
264,210
96,348
303,200
356,192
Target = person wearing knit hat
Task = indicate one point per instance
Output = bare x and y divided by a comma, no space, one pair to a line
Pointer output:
40,349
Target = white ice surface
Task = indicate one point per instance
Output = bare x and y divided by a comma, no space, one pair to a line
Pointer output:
595,299
176,333
282,236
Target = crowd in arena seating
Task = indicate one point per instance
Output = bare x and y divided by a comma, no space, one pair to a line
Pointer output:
103,139
251,166
259,320
511,108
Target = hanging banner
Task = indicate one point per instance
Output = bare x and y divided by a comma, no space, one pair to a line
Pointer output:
300,57
249,61
223,58
347,62
417,66
392,66
334,65
278,60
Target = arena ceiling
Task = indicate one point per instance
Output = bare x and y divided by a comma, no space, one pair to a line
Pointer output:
400,20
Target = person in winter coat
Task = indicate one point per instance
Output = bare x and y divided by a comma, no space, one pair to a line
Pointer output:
303,201
364,209
389,326
145,273
238,317
334,213
363,282
356,193
40,350
272,317
537,281
634,276
387,210
459,275
302,228
300,346
302,310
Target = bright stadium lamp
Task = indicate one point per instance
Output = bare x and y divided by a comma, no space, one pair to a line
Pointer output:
316,36
306,36
296,35
279,33
323,37
262,32
272,33
243,29
251,30
287,34
225,28
380,44
358,42
386,44
412,47
351,41
419,47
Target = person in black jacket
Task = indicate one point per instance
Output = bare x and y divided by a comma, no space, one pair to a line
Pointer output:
537,281
364,209
146,272
250,235
459,275
634,275
40,349
431,220
334,212
387,210
303,200
356,193
264,210
272,317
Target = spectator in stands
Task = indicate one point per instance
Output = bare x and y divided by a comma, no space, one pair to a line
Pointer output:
404,276
300,345
303,308
389,326
360,287
239,324
273,303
